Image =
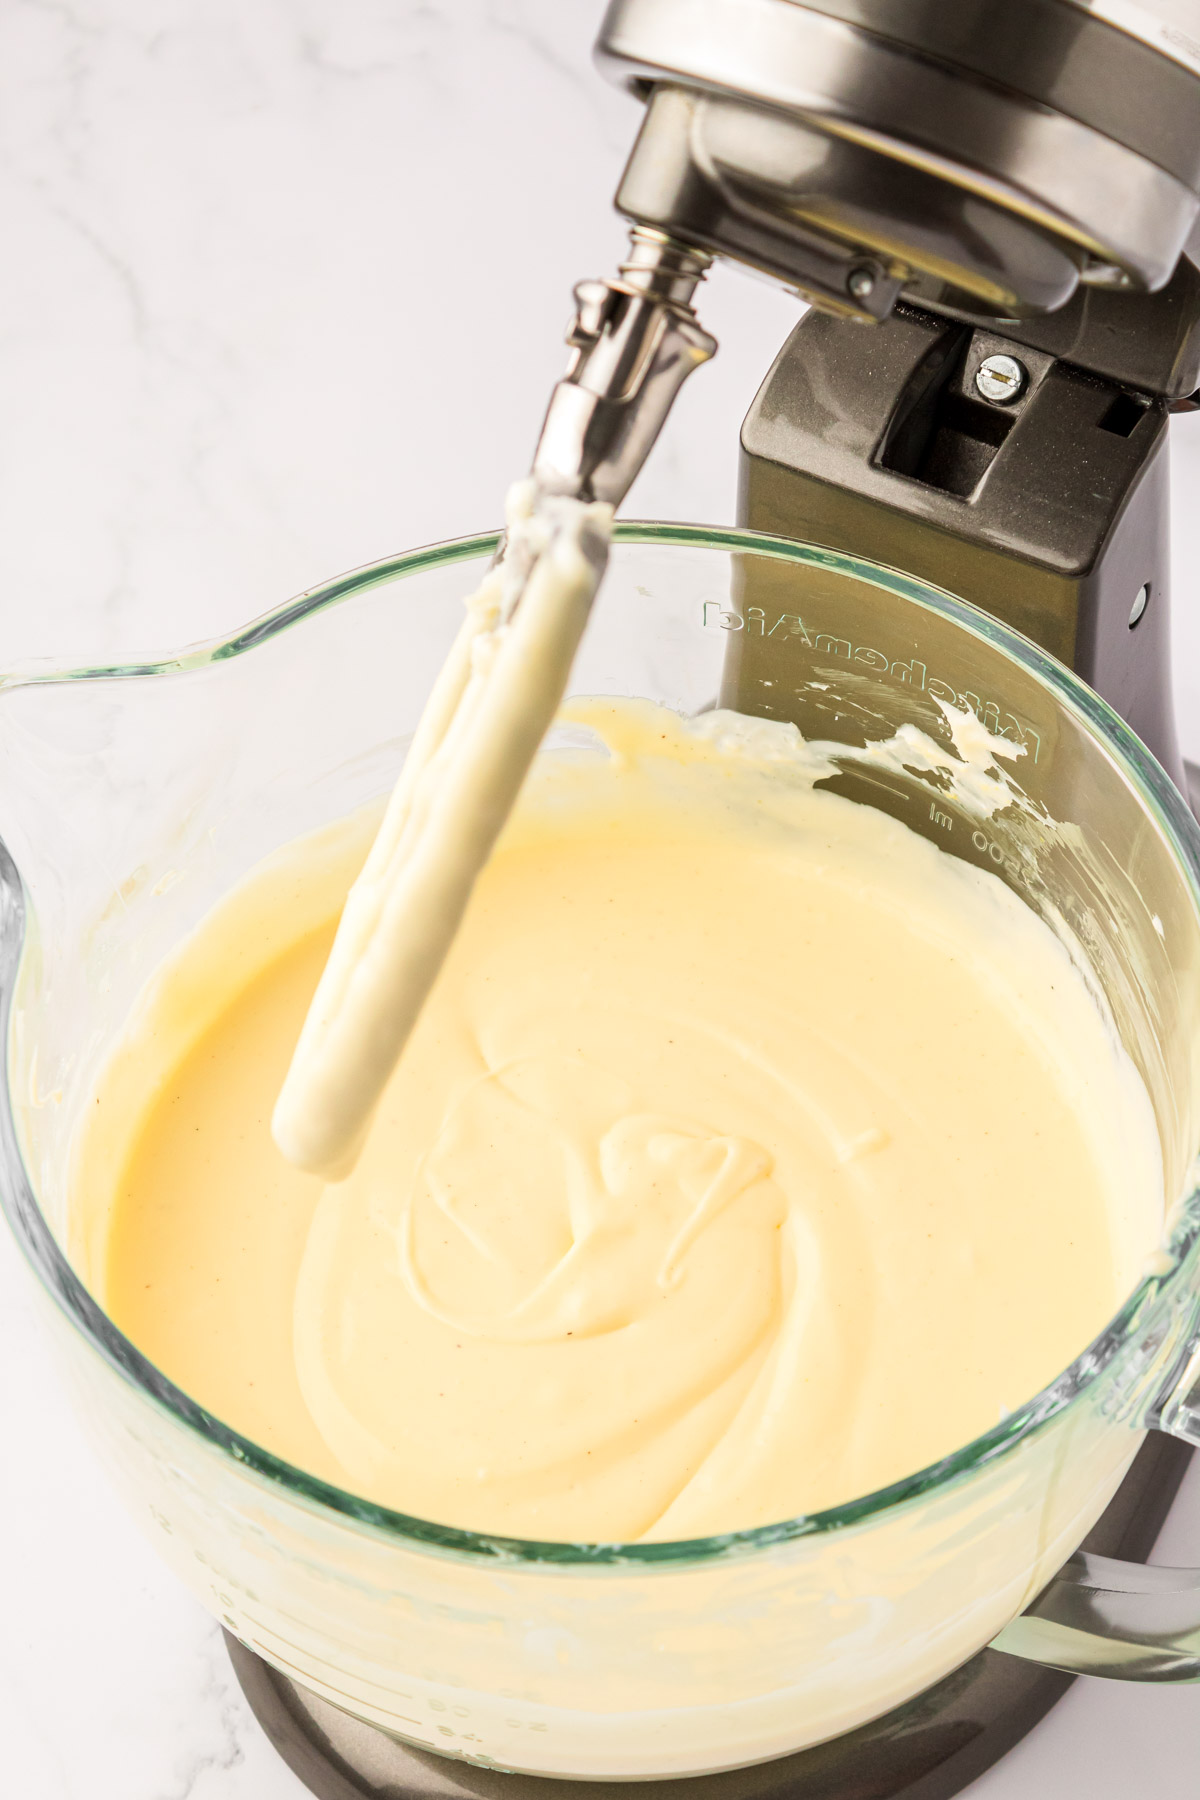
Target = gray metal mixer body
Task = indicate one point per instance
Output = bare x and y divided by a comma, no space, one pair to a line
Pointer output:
987,203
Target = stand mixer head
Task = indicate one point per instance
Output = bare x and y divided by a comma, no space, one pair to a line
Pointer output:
986,155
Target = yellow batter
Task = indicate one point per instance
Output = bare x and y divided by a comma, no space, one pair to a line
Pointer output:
749,1154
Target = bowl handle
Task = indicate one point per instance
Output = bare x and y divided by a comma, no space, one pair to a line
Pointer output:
1102,1616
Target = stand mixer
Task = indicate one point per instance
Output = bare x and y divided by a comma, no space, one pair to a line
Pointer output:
987,206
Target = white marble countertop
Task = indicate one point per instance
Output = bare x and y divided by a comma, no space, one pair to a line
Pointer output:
282,291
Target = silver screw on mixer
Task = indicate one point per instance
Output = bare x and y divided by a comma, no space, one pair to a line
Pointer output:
861,283
1001,379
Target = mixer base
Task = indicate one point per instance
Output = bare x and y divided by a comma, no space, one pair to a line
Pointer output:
928,1749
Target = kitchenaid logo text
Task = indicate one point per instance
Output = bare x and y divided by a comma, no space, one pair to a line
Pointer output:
914,673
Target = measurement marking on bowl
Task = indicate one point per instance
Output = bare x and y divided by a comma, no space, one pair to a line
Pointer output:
304,1671
1003,859
907,669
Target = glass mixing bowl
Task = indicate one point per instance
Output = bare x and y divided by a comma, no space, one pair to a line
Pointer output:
134,797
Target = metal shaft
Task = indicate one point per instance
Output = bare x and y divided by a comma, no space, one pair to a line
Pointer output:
635,340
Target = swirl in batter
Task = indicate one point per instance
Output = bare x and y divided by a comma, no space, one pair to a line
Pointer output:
749,1154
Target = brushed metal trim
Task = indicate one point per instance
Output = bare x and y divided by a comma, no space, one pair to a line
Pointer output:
1176,36
1058,54
1044,165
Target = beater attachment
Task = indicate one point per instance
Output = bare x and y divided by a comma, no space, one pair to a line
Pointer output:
635,342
